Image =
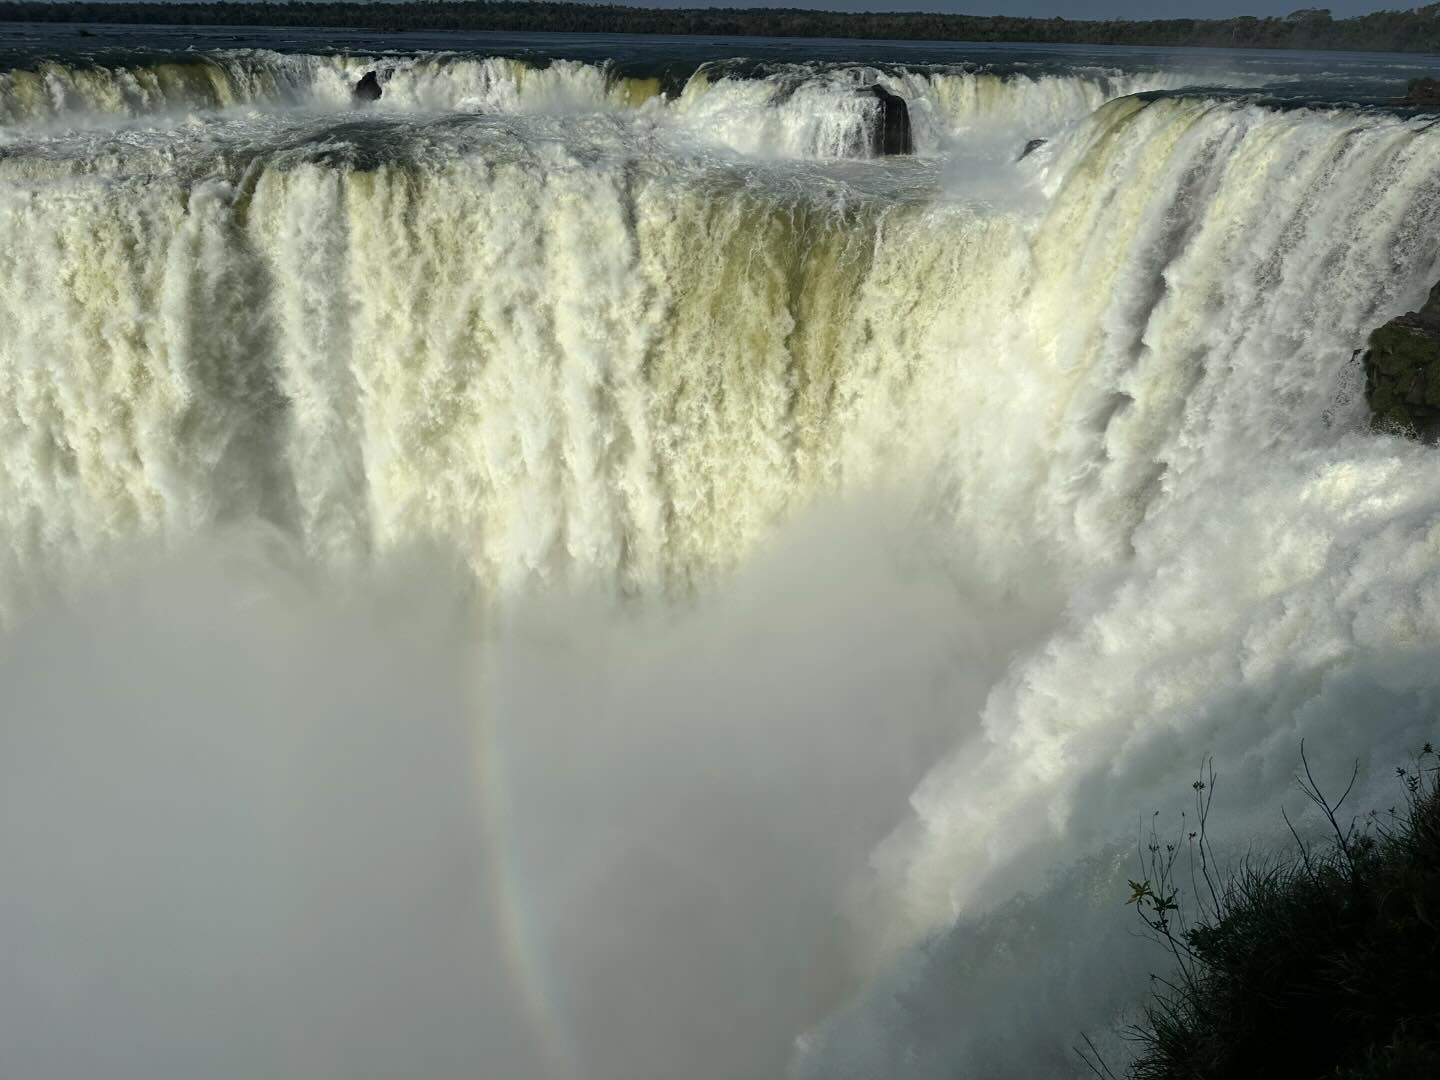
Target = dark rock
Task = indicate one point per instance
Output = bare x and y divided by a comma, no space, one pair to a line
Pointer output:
1422,92
368,88
1402,373
891,135
1031,147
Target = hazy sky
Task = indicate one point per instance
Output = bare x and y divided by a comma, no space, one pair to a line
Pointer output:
1070,9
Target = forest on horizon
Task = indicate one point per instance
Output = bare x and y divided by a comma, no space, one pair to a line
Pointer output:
1414,30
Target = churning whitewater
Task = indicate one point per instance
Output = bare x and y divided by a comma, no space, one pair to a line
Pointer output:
968,498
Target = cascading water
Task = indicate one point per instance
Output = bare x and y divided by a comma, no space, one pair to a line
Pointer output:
592,333
789,110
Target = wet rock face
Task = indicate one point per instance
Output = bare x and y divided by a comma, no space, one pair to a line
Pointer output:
368,88
892,134
1402,373
1422,92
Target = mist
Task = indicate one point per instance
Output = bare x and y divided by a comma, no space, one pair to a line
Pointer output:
258,820
256,823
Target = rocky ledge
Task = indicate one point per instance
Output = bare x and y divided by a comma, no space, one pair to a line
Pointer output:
1402,372
891,134
1422,92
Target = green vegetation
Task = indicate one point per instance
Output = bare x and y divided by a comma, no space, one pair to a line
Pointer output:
1324,965
1415,30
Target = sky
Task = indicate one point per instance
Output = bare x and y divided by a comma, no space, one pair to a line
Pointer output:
1069,9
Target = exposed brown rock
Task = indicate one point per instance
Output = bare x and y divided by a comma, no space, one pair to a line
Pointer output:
1402,372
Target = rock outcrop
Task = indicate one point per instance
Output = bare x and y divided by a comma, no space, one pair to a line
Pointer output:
368,88
1422,92
891,135
1031,147
1402,372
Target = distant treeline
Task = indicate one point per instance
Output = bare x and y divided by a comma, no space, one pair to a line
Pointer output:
1416,30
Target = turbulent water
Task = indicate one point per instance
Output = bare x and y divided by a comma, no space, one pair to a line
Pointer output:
802,478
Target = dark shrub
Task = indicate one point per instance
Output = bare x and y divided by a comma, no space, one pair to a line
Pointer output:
1325,966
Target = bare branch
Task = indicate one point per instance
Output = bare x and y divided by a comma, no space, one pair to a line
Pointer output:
1097,1066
